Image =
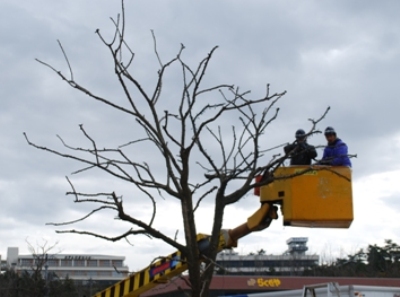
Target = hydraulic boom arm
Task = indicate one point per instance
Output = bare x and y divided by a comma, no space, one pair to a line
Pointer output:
174,264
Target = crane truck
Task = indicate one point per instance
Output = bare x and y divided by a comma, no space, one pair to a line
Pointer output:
317,196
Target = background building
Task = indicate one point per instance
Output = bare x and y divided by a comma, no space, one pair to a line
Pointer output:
292,262
79,267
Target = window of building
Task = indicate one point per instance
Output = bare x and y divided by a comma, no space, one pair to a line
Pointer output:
116,274
104,273
66,263
38,262
117,263
79,263
92,263
104,263
52,262
79,273
26,262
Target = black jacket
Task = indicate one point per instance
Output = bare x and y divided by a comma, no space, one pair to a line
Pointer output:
300,153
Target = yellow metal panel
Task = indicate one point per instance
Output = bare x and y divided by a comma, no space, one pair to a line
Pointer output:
318,196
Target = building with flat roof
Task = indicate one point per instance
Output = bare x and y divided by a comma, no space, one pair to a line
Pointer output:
82,267
292,262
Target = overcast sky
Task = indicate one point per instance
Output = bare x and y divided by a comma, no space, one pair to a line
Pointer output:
342,54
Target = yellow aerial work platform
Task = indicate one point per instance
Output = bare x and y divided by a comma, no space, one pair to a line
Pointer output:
310,196
317,196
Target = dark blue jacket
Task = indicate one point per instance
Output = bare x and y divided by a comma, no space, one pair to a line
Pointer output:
335,154
301,153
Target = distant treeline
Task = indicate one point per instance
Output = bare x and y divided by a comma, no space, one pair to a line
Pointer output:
374,261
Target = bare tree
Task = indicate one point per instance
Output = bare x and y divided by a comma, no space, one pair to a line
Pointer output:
41,253
189,134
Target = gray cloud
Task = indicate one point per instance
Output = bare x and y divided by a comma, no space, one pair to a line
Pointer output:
333,53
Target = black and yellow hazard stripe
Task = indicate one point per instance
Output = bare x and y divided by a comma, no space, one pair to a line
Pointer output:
141,281
158,272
